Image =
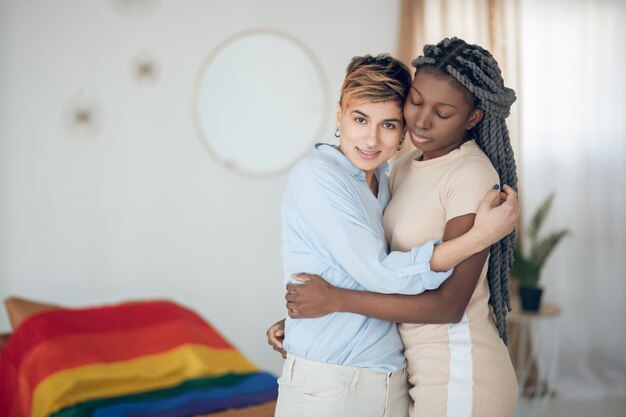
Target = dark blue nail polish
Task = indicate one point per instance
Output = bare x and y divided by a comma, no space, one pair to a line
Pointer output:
496,187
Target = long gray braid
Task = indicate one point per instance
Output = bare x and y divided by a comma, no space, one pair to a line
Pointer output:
476,70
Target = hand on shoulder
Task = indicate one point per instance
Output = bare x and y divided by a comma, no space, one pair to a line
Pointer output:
497,215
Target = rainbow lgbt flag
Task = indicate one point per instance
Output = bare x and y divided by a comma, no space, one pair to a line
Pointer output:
153,358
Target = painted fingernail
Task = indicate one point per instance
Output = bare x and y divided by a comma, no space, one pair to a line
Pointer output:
496,187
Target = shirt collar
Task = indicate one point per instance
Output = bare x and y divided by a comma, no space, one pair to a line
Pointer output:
340,159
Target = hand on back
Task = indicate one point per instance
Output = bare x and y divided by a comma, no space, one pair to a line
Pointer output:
276,335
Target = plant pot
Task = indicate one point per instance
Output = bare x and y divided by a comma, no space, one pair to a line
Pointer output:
530,298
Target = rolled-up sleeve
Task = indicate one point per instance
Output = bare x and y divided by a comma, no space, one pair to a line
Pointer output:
336,221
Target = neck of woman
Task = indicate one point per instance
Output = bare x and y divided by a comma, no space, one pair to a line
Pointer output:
372,182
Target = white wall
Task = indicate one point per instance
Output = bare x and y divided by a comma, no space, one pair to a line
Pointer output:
139,209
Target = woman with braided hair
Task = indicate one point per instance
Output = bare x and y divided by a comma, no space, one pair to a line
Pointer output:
454,336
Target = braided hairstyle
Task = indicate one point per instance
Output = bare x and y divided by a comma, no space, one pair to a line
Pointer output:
475,69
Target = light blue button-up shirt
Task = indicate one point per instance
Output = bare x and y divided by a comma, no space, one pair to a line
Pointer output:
331,226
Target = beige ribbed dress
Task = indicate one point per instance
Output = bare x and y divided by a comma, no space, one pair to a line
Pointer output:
461,369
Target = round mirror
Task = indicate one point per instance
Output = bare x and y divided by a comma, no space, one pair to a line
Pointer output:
260,102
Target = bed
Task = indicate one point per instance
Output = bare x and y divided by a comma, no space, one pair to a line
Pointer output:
144,358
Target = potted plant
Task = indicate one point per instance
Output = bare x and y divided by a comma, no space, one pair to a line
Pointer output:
527,265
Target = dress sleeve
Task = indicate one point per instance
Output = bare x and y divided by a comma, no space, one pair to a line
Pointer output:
467,185
318,197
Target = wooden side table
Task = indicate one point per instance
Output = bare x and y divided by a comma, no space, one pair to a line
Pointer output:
534,349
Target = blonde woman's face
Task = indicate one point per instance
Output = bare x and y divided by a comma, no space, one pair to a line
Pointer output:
370,133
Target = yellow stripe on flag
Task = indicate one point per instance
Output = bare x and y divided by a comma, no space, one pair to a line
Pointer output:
102,380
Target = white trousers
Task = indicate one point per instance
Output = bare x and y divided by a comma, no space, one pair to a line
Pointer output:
314,389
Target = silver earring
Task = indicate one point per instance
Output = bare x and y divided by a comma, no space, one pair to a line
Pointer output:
337,133
400,144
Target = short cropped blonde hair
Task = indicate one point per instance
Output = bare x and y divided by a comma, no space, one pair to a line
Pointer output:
374,80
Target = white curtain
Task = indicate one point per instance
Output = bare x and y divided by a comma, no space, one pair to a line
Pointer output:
573,141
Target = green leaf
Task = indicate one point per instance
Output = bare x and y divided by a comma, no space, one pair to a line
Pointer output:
542,249
523,269
539,216
527,268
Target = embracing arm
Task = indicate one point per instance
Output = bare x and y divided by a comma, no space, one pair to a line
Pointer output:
276,336
489,225
318,200
443,305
